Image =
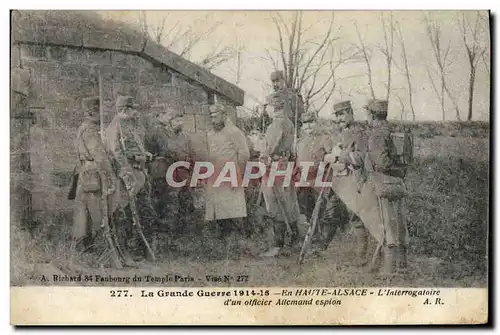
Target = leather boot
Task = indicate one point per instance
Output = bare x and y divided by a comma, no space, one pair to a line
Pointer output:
294,238
361,246
389,263
401,262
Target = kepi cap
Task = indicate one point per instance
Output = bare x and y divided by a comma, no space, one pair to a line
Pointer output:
277,75
341,107
376,106
220,108
308,117
90,105
125,101
165,111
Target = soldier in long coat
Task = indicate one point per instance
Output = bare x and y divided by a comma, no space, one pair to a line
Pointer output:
349,148
226,143
385,177
333,213
282,207
92,173
125,144
380,194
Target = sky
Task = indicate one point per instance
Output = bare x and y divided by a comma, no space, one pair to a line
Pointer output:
254,32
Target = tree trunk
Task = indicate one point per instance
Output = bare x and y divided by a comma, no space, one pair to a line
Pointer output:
472,78
412,108
388,92
442,97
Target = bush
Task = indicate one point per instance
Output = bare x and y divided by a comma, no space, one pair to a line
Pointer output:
448,209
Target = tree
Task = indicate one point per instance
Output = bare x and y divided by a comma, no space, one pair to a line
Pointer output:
388,48
403,110
183,40
406,69
365,53
474,50
309,63
440,53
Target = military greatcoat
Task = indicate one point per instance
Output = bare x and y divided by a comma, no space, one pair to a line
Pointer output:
93,163
280,199
225,201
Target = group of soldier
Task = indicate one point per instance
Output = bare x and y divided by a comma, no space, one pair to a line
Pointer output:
120,179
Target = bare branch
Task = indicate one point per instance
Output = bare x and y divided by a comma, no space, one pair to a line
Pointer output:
271,58
194,40
291,67
282,47
406,68
297,53
362,48
217,57
474,54
284,23
387,49
320,47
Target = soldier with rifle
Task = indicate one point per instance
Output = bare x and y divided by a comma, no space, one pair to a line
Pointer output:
374,189
282,209
345,159
333,213
385,171
92,181
125,143
349,149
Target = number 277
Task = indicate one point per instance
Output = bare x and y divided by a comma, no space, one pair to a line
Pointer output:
118,293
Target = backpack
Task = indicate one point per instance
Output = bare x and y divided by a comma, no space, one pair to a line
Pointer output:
404,145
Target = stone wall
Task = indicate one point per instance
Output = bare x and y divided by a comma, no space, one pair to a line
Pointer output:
60,76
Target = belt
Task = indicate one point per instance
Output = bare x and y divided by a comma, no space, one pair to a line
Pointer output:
277,157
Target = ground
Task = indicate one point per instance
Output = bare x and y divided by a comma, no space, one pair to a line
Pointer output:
333,268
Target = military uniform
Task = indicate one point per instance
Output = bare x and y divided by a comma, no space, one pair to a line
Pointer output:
156,142
348,146
92,173
125,143
293,103
312,148
178,201
280,200
228,144
385,177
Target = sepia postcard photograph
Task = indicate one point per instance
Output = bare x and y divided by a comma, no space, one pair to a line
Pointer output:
249,167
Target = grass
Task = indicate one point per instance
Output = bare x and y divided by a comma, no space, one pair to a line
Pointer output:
447,212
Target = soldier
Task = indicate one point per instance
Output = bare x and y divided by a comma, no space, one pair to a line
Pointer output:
282,209
92,172
226,143
385,176
349,148
306,153
293,107
169,144
125,143
156,142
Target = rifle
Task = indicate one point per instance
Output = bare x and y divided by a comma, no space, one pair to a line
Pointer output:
282,209
113,244
136,222
74,184
312,226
